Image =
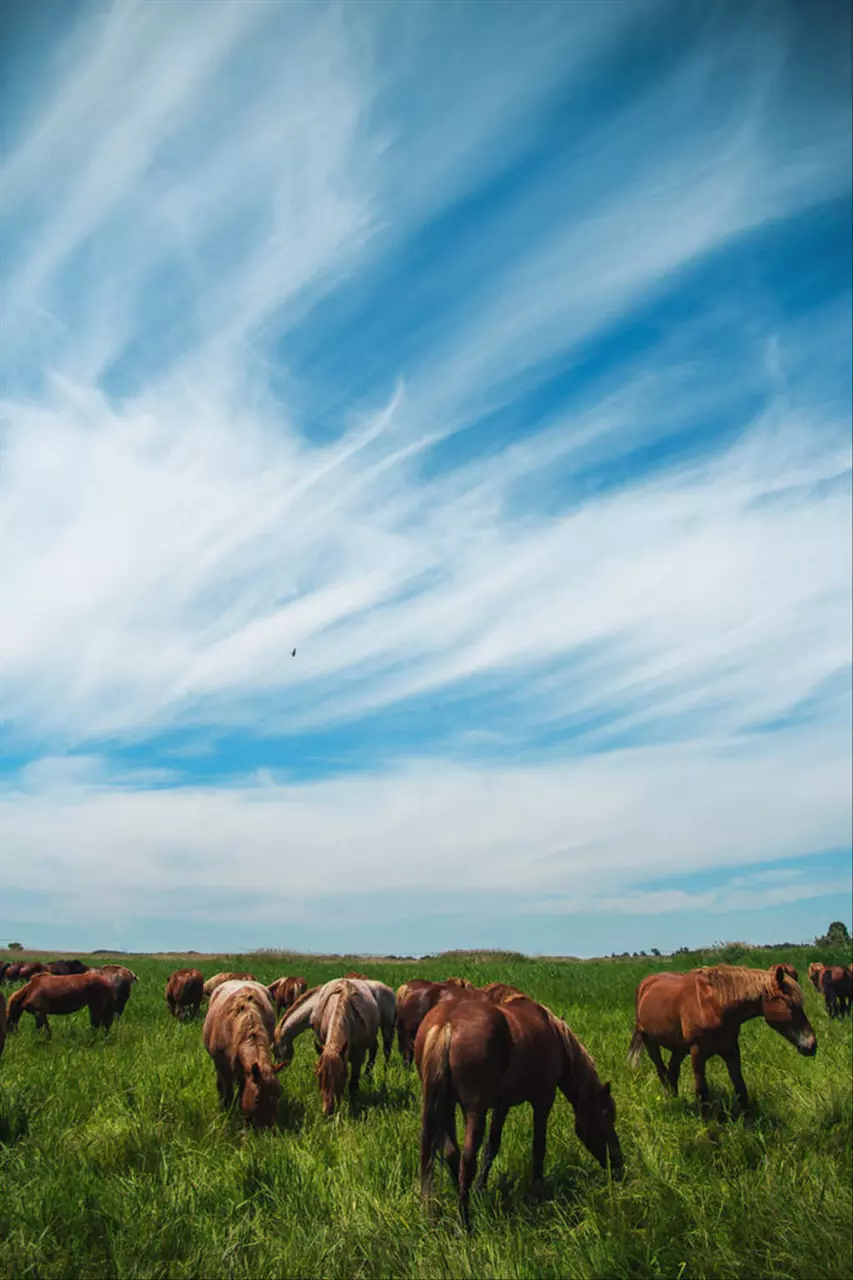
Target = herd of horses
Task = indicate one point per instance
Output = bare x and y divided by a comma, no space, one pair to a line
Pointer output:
480,1049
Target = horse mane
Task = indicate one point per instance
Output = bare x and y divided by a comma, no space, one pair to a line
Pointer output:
248,1022
582,1069
300,1000
733,983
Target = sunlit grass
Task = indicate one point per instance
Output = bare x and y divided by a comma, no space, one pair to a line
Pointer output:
115,1158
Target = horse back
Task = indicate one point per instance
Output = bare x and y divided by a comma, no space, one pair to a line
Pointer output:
479,1052
66,993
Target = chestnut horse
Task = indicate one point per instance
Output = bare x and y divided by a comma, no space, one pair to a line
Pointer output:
484,1056
67,966
836,986
415,998
285,991
344,1017
122,979
49,993
184,992
237,1034
701,1012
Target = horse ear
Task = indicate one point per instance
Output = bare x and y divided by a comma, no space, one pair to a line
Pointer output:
256,1073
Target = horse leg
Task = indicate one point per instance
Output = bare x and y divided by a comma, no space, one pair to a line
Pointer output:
475,1127
541,1111
42,1024
653,1050
356,1059
673,1070
493,1145
732,1060
697,1057
387,1042
225,1086
374,1049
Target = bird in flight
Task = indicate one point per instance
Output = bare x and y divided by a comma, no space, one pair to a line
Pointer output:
293,653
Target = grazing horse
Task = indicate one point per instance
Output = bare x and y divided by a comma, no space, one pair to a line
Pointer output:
67,966
48,993
344,1016
122,979
184,992
237,1034
701,1012
12,971
815,971
836,985
415,998
218,978
285,991
484,1056
29,970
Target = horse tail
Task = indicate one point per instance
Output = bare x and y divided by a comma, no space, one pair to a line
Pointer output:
15,1006
437,1095
637,1046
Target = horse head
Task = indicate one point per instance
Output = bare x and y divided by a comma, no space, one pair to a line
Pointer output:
595,1126
261,1092
782,1009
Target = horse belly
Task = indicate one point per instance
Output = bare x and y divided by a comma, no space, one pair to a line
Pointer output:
659,1016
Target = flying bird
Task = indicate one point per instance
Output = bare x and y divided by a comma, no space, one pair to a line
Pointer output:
293,653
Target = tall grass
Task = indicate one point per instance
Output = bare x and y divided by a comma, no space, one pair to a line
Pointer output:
115,1159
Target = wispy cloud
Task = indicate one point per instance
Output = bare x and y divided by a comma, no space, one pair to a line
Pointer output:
494,393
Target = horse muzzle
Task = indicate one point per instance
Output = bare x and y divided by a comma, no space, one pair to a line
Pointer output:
807,1046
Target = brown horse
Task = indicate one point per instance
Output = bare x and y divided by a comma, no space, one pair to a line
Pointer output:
701,1012
483,1056
184,992
345,1018
29,969
218,978
122,979
237,1034
67,966
2,1021
48,993
285,991
500,992
786,968
836,985
415,998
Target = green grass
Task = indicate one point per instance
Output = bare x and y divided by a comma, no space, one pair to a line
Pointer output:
115,1159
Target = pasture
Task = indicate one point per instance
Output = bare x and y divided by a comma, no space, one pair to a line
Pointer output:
116,1160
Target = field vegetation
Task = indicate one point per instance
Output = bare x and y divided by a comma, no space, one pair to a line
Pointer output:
116,1160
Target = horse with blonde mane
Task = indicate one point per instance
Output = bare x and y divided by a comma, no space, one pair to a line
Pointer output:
701,1013
237,1034
218,978
344,1016
484,1056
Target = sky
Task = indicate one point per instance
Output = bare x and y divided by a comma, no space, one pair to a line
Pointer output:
495,358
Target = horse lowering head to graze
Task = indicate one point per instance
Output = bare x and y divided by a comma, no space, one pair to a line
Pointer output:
48,993
492,1057
184,992
414,1001
122,979
13,968
701,1013
345,1019
285,991
237,1034
67,966
218,978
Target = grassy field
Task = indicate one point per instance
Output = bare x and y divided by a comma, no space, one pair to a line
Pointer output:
115,1159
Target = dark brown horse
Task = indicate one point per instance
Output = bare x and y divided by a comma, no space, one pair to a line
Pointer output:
481,1056
500,992
414,1001
285,991
701,1013
237,1034
48,993
184,992
122,979
67,966
29,969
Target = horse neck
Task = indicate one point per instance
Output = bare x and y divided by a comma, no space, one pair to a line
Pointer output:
579,1077
295,1022
251,1052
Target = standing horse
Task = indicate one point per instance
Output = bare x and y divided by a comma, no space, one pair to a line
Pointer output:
122,979
67,966
484,1056
701,1013
285,991
344,1017
836,985
184,992
237,1034
815,971
48,993
218,979
415,998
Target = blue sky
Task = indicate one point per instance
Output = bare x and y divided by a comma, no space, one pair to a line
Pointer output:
498,358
